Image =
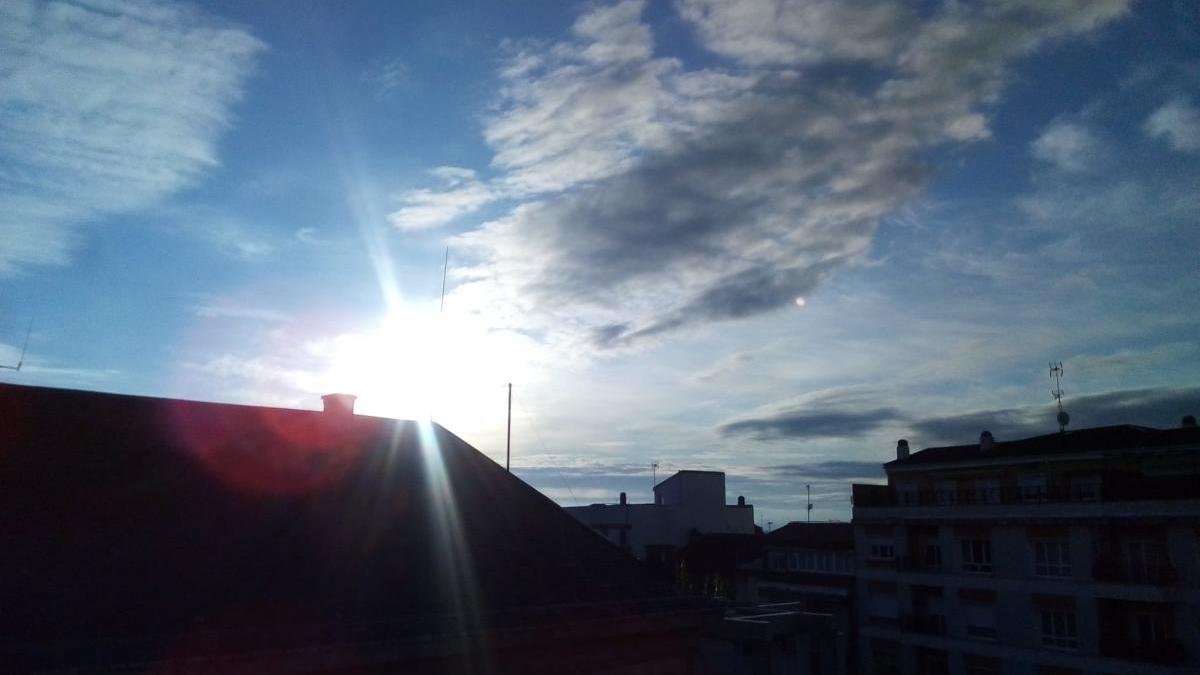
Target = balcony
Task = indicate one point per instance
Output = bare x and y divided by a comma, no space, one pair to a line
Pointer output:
1112,489
925,624
1111,570
1162,651
911,563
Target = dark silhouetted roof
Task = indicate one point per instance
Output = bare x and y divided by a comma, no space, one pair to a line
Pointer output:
200,524
1123,437
819,535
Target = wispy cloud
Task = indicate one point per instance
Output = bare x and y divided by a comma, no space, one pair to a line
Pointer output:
1177,123
83,133
1068,146
424,208
385,76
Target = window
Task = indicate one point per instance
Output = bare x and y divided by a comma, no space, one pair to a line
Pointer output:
1052,559
1150,630
980,621
882,550
947,491
1032,487
1143,559
778,560
846,562
932,558
975,664
987,491
906,494
793,561
1085,488
1058,629
881,605
886,655
977,556
932,662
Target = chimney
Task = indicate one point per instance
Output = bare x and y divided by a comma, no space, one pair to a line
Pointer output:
741,500
902,449
623,502
1188,422
986,442
339,404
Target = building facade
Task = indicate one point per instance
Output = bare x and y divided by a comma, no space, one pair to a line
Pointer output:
809,567
687,502
1069,553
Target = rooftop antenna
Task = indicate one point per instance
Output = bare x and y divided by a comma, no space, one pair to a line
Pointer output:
653,477
808,489
24,347
1056,374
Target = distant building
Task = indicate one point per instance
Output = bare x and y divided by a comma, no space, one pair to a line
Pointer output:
156,535
808,567
687,502
1074,552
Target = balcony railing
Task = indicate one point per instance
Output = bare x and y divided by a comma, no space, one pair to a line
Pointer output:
1162,651
927,624
1115,489
912,563
1114,570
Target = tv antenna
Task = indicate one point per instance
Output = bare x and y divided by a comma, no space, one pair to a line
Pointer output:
808,489
24,347
1056,374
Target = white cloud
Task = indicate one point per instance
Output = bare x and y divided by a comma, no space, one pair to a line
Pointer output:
105,108
771,32
426,208
1068,146
1177,123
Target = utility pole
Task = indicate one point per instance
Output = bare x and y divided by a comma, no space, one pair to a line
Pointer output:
508,438
24,348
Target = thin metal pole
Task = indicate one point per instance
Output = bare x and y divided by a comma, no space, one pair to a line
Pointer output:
808,488
508,440
445,266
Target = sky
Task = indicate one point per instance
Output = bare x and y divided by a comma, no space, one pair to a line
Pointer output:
763,237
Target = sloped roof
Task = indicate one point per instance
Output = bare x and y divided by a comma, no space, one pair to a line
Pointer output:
134,516
1122,437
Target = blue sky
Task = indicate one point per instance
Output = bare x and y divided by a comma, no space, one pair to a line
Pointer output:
765,237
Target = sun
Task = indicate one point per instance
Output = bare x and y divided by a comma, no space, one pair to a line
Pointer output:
419,363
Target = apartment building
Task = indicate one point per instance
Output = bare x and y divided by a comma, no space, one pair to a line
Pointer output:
1069,553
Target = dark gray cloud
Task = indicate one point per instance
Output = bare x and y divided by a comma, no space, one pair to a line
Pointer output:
851,417
654,197
830,470
1154,407
811,424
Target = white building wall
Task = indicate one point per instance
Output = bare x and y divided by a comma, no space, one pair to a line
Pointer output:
691,501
